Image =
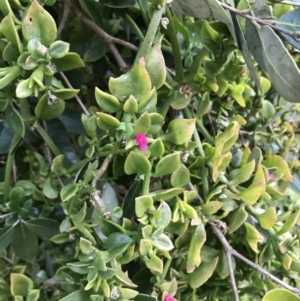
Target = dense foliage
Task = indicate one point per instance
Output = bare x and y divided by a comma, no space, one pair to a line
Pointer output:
149,150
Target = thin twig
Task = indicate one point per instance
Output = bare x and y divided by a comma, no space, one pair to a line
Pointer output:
102,34
108,39
64,18
231,251
228,251
265,273
104,166
290,3
84,109
293,34
198,197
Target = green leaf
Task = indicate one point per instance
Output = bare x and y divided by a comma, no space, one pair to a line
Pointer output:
253,237
60,238
282,168
142,125
78,296
180,177
161,241
9,74
148,103
164,218
108,227
46,110
244,173
142,204
20,285
155,65
220,164
6,235
14,119
165,194
268,218
237,94
157,148
33,295
238,218
202,273
136,82
292,21
142,297
128,204
106,121
245,51
137,163
8,29
197,241
109,198
23,90
281,67
251,194
117,243
180,101
279,294
39,24
124,279
48,189
59,49
65,93
24,242
43,227
167,165
69,62
211,207
130,105
290,222
180,131
68,192
107,102
155,264
128,293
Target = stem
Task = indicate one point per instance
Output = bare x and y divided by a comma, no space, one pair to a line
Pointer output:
84,109
231,275
104,165
143,12
205,133
47,139
9,167
166,268
204,182
146,182
198,197
134,27
152,29
175,47
63,19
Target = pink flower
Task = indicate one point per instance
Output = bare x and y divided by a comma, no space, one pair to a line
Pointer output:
141,141
271,176
169,298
